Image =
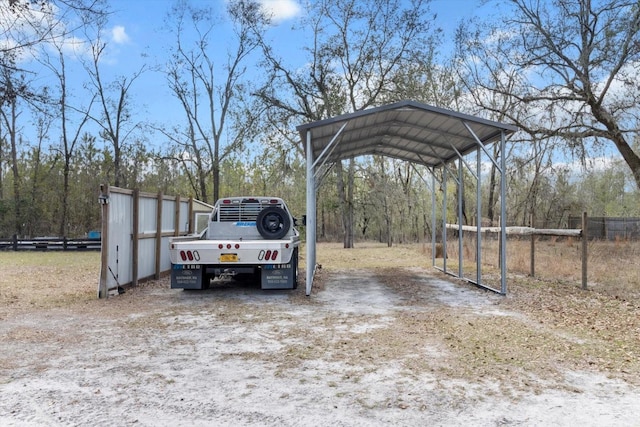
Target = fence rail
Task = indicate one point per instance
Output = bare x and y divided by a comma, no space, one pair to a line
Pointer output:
50,244
582,233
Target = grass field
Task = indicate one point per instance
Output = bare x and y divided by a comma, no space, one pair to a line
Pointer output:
37,280
51,279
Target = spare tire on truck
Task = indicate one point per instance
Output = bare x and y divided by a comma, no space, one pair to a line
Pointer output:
273,223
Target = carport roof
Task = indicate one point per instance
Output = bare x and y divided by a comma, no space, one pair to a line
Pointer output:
405,130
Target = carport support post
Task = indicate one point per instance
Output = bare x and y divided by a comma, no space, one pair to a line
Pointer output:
444,218
460,201
503,216
479,217
311,216
585,245
433,219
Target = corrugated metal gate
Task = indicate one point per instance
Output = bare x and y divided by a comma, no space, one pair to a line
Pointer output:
136,228
610,228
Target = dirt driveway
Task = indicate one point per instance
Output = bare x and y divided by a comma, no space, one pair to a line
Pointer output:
398,347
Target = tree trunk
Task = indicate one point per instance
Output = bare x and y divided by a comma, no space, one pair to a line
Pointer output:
62,232
15,169
616,136
346,207
216,180
349,229
492,189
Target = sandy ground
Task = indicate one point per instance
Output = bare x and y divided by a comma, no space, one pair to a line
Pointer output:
236,355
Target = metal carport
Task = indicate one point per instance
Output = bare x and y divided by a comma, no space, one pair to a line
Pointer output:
410,131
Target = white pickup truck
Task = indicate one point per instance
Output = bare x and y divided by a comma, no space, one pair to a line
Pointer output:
246,237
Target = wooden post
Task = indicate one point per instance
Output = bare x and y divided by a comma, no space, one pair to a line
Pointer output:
159,234
533,249
103,199
135,244
176,218
191,224
585,242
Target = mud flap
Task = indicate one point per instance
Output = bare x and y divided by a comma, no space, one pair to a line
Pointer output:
186,276
279,276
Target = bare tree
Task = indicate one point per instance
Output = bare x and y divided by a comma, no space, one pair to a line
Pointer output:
29,29
355,51
576,62
71,124
9,112
26,24
114,106
208,95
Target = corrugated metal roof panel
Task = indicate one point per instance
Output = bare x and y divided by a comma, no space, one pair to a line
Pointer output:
405,130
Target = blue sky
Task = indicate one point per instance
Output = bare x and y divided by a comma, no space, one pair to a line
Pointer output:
137,37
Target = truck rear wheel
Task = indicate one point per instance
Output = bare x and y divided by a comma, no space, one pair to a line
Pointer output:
273,223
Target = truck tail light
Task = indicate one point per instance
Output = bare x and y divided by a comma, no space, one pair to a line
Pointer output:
267,256
220,246
237,246
274,255
189,256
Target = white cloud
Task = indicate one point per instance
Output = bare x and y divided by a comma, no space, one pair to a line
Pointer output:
75,46
119,35
281,10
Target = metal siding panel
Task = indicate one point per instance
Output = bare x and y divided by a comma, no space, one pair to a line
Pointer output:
165,260
120,243
146,258
184,217
168,216
148,210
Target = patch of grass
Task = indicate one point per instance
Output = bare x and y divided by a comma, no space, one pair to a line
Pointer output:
47,279
369,255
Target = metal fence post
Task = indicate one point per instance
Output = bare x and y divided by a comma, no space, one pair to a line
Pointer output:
585,241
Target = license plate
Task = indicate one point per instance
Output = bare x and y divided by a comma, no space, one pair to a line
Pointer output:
229,258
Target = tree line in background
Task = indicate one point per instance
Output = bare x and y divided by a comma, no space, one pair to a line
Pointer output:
565,72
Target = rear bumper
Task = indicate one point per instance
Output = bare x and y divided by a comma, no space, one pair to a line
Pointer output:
232,252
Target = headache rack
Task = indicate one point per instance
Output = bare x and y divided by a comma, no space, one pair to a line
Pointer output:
243,210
